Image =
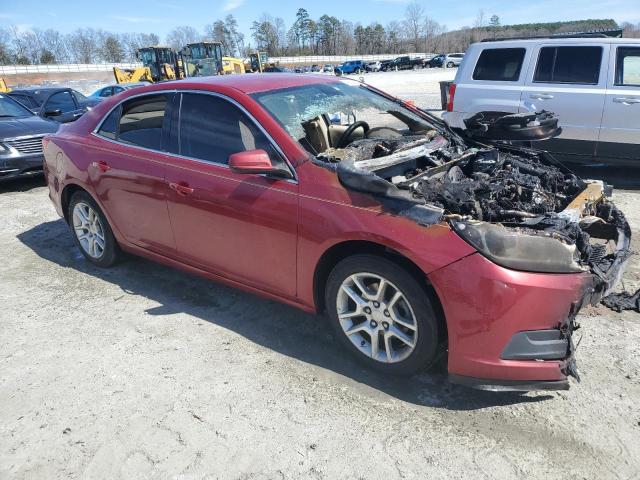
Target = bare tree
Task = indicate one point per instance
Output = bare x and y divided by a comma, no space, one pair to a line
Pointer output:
181,36
83,44
413,24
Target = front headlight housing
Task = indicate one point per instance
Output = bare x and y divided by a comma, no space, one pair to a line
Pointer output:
519,250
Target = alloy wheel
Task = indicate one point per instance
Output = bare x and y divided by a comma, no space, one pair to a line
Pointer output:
89,230
377,317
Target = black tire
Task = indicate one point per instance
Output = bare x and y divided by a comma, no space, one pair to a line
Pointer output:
111,253
427,347
450,65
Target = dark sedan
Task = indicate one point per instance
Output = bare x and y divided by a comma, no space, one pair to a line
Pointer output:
21,133
55,103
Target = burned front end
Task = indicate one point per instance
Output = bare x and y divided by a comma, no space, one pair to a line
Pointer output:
518,207
545,242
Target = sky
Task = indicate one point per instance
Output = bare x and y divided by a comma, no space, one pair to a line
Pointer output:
161,16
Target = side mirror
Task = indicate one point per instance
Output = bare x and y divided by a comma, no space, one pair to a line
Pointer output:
257,162
53,113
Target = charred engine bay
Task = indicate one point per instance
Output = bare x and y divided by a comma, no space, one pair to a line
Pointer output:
520,189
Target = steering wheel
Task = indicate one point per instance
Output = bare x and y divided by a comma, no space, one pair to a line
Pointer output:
346,135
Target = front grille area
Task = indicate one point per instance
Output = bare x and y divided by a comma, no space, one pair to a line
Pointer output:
29,146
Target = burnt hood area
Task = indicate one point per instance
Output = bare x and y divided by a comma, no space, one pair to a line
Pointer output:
442,176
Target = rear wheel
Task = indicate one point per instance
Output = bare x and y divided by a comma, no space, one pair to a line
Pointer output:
450,65
382,315
92,232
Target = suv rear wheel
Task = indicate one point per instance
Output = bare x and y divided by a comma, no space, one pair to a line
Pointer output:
381,314
92,232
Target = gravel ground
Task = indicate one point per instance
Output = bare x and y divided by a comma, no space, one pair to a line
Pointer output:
142,371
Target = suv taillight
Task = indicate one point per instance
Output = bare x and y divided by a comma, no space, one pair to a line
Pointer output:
452,93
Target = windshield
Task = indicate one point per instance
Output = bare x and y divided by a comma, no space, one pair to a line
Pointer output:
11,108
342,102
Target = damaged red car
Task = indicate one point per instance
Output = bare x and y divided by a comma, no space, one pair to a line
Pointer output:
334,197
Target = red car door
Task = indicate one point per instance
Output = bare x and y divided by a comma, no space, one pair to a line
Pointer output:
128,171
240,226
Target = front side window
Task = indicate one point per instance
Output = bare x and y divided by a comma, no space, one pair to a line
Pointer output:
62,101
106,92
142,121
499,64
579,65
212,129
628,66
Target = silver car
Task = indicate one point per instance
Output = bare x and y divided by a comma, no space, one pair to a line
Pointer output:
592,84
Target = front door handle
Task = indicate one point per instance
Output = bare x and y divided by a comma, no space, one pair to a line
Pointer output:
181,188
102,166
541,96
626,100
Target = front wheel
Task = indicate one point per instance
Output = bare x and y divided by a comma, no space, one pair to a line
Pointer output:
381,314
92,232
450,65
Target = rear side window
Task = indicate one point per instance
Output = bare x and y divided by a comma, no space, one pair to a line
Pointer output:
628,66
579,65
62,101
142,121
499,64
212,129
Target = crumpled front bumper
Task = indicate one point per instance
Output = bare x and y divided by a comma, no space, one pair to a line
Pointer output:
508,329
486,305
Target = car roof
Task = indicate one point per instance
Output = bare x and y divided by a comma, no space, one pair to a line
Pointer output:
38,92
571,40
251,83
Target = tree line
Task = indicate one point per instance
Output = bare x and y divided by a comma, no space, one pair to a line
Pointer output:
415,31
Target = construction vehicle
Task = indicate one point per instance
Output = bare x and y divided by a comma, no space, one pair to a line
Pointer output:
258,61
202,59
231,65
158,63
3,86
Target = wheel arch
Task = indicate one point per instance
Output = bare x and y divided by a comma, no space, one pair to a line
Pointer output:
65,197
333,255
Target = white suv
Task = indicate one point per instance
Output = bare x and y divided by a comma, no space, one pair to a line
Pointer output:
592,84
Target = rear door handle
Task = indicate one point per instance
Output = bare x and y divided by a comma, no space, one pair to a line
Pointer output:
541,96
102,166
626,100
181,188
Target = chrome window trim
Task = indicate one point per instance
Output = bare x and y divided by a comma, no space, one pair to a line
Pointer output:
273,143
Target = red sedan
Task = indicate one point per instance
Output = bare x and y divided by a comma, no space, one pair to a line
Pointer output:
333,197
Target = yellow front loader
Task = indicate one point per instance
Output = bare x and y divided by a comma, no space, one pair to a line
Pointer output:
231,65
3,86
159,63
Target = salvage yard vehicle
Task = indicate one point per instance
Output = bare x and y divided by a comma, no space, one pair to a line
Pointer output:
158,64
21,133
591,82
331,196
352,66
111,90
55,103
202,59
404,63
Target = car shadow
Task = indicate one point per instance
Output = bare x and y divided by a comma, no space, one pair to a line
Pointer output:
285,329
22,184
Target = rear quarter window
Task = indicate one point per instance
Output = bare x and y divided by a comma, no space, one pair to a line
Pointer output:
499,64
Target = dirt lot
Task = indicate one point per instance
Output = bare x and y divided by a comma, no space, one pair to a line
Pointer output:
142,371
